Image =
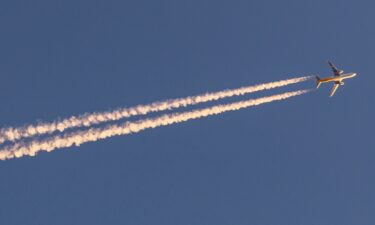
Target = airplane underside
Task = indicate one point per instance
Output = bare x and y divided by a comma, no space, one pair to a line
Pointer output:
337,79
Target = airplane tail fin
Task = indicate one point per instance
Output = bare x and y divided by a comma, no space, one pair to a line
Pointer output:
318,82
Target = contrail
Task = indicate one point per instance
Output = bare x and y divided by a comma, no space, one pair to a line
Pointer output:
93,134
86,120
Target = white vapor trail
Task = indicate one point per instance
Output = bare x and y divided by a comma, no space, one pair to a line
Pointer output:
86,120
93,134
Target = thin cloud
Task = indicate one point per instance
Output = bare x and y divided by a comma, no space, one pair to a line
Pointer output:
77,138
13,134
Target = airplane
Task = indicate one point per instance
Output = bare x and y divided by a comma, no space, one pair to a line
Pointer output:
337,79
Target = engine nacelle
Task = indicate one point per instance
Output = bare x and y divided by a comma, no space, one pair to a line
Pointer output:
342,83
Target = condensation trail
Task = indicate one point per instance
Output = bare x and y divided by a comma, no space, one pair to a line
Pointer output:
79,137
86,120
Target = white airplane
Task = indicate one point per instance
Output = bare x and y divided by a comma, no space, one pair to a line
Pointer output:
337,79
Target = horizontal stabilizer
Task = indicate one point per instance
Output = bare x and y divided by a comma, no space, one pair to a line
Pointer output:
318,82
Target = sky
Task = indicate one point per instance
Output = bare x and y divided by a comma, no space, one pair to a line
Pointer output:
305,160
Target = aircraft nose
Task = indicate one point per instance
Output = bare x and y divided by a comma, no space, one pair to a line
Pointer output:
354,74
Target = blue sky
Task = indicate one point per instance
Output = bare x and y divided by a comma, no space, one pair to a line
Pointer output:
307,160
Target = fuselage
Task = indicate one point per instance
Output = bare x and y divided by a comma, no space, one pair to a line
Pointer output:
337,78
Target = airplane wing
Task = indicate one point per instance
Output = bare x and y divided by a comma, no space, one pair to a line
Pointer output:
336,71
334,89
